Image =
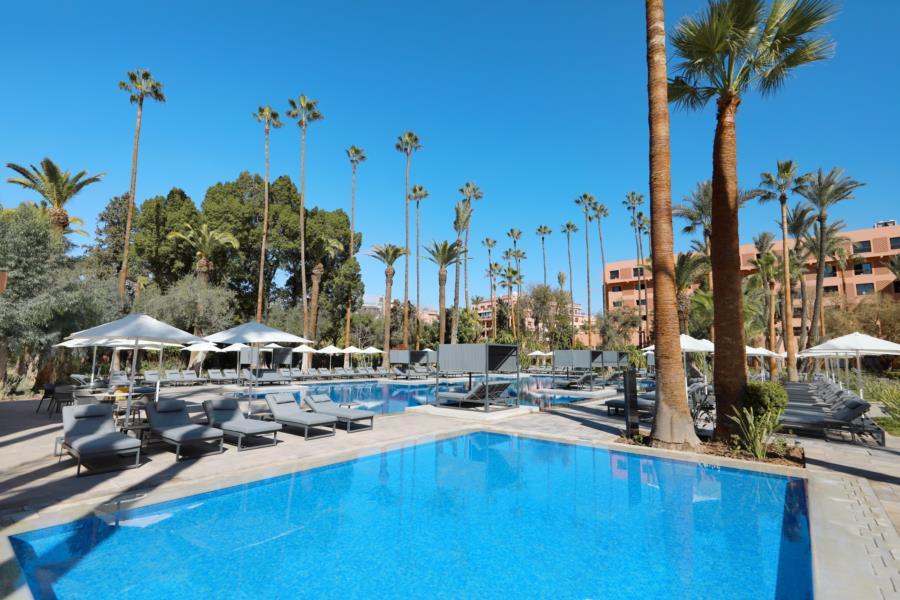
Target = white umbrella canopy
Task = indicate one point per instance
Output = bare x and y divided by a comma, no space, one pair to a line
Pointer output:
255,333
330,350
372,350
689,344
234,347
137,327
201,347
536,353
303,349
854,344
352,350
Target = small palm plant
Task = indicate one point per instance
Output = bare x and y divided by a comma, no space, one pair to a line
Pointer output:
56,188
387,254
205,243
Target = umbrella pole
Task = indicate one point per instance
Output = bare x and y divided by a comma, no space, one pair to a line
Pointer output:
93,365
159,372
131,382
859,380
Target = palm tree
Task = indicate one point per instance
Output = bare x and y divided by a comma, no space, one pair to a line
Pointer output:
586,202
140,86
515,235
418,194
542,232
269,119
844,259
785,180
823,191
830,242
323,249
800,219
631,202
765,264
55,187
600,212
356,156
493,272
690,267
470,192
306,111
730,49
518,255
407,144
490,244
510,278
205,243
443,254
569,228
672,422
893,266
460,225
388,254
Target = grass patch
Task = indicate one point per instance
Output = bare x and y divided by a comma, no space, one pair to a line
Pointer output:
889,424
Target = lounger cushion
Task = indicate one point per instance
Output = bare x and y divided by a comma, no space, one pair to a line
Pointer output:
104,443
249,426
87,420
323,405
286,410
189,433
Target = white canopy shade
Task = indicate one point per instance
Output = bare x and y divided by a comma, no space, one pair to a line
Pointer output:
137,327
303,349
761,352
76,344
536,353
423,349
201,347
255,333
330,350
272,346
372,350
689,344
854,344
234,347
352,350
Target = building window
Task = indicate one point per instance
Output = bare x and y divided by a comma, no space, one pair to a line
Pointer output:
614,274
642,302
863,246
797,312
862,268
617,304
642,286
895,243
830,271
830,289
616,288
797,331
864,289
637,271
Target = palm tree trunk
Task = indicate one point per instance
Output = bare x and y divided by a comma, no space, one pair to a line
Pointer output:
406,256
352,253
442,304
773,365
123,272
418,285
571,291
814,333
787,311
493,296
466,265
454,314
316,278
265,232
602,266
587,262
386,310
709,278
804,306
730,368
306,320
544,257
673,425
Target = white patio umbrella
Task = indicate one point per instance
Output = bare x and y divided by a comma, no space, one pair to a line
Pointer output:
372,350
303,349
330,351
137,328
201,347
83,344
235,348
689,344
853,345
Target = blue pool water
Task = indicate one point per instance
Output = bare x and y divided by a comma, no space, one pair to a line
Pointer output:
477,516
393,397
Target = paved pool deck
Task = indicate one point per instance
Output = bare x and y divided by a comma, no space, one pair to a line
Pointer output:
854,490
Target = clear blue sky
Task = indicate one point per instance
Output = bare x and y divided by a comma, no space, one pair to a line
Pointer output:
535,102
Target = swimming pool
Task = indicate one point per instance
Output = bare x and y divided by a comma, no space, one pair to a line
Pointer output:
480,515
396,397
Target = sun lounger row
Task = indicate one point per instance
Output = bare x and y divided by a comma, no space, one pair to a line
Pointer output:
89,431
174,377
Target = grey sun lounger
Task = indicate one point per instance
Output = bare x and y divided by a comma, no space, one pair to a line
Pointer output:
217,376
323,405
850,418
173,376
324,373
189,377
170,422
89,432
645,404
225,414
585,380
476,395
287,412
231,375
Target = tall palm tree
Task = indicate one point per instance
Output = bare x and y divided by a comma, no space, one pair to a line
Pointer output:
730,49
470,192
672,422
844,259
893,266
387,254
55,187
631,202
140,86
777,186
325,248
519,255
800,219
510,278
766,264
569,228
493,272
586,202
599,213
269,119
823,191
306,111
542,232
825,245
515,235
418,194
443,254
205,243
407,143
356,156
460,224
490,244
690,267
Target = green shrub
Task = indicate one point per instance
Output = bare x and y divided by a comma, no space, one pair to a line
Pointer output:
765,396
756,429
885,392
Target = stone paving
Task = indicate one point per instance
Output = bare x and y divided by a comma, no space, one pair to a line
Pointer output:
854,490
